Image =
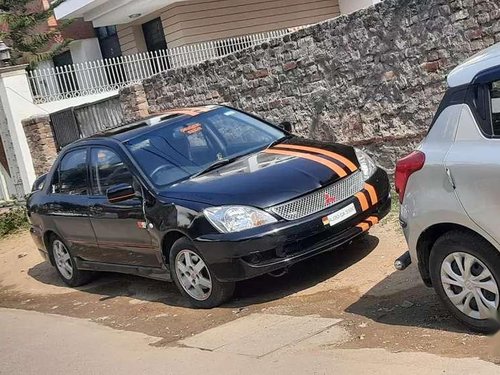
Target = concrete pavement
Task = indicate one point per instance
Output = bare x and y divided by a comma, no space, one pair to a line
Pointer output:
37,343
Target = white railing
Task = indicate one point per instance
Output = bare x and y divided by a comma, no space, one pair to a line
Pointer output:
106,75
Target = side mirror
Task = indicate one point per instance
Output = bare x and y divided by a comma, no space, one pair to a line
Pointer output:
286,125
39,183
120,193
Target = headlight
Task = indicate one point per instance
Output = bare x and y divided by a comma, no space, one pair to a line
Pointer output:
366,163
229,219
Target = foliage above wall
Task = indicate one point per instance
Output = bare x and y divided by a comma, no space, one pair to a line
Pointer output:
31,31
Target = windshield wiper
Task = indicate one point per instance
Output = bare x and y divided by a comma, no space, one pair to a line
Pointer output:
219,163
278,141
216,164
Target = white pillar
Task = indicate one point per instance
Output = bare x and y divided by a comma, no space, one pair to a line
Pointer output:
7,188
16,103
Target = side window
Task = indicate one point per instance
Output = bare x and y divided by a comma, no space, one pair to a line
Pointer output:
495,107
71,175
107,170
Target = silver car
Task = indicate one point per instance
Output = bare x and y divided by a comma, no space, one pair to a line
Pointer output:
449,189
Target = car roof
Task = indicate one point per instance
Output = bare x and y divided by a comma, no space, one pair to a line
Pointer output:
470,68
129,131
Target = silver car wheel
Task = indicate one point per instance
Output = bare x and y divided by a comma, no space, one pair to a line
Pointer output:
62,259
193,275
470,286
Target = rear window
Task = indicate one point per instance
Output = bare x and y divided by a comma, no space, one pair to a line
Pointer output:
453,96
495,107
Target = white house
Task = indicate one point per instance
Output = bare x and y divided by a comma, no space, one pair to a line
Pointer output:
132,26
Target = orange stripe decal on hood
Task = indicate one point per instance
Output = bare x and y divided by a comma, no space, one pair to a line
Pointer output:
349,164
334,167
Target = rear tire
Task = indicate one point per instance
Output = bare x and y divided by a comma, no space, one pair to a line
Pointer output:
465,272
194,278
65,264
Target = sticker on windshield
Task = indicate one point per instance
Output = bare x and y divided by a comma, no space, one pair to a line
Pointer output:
192,129
229,113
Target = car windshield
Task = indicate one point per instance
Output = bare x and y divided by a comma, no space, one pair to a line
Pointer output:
186,147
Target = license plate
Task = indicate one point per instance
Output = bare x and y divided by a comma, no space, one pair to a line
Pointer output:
340,215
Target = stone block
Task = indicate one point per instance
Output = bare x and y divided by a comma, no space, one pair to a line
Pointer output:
41,142
431,66
289,66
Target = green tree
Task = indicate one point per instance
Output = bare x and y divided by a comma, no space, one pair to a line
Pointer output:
24,30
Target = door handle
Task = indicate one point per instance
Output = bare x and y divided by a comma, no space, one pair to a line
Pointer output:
450,178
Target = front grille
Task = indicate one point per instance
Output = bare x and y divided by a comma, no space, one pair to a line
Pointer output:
317,201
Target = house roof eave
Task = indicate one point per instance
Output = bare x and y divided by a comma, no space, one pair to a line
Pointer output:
106,13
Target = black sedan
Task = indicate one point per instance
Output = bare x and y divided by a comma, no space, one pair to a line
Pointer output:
206,197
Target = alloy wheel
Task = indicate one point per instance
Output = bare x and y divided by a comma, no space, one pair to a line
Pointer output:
470,286
193,275
62,259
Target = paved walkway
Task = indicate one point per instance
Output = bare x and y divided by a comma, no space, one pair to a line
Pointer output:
36,343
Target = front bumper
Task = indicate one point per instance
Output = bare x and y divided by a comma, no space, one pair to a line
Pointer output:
244,255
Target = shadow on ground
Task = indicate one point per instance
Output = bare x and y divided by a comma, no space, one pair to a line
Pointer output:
402,299
305,274
259,290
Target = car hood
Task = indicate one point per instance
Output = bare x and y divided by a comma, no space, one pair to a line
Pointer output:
269,177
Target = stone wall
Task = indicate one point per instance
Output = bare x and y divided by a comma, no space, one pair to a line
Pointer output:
133,102
41,142
372,78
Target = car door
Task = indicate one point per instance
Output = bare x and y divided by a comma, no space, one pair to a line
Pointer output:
473,161
120,228
67,204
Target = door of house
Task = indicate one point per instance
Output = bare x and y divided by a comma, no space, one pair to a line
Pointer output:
154,37
108,41
110,48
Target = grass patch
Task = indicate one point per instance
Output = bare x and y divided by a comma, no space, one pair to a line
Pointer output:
395,202
393,216
13,220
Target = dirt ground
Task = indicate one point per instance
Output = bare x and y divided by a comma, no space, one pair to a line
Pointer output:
379,307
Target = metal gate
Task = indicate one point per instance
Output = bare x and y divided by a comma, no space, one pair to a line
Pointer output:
86,120
64,127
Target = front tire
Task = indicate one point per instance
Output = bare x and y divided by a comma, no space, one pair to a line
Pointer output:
465,272
65,264
194,279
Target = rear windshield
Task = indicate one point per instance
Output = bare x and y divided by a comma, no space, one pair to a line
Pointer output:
181,149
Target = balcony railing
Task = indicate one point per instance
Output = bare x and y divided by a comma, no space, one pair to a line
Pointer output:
95,77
